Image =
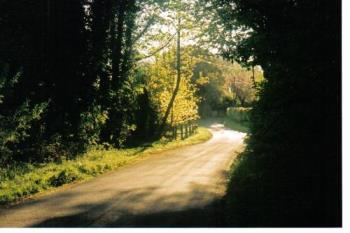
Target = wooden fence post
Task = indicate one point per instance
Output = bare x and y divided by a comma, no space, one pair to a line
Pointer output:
182,132
173,132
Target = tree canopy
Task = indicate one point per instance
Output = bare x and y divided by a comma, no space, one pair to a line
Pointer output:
81,73
293,152
73,73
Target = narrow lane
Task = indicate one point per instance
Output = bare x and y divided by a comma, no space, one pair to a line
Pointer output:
167,189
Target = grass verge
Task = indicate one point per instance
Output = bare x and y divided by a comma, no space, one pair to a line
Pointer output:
28,179
237,126
228,123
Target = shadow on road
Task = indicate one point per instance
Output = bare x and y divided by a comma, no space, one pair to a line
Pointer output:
164,212
207,216
198,206
185,189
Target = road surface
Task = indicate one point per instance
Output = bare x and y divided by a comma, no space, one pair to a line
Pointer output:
174,188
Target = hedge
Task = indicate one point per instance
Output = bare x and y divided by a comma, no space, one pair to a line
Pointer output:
239,114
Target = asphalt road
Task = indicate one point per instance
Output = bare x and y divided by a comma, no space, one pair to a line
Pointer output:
176,188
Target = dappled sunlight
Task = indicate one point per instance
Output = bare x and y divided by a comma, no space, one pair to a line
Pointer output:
217,126
188,178
171,93
225,133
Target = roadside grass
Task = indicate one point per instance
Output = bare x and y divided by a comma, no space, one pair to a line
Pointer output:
25,179
242,126
237,126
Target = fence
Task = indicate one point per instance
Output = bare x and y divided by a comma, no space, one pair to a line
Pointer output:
182,131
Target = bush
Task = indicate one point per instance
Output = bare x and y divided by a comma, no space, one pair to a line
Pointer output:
64,177
14,128
239,114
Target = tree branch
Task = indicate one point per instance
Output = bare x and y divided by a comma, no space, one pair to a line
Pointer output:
144,30
158,50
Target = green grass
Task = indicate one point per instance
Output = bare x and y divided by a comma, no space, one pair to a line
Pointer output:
235,125
27,179
239,114
228,123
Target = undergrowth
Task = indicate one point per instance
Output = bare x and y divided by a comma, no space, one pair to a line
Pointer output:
24,179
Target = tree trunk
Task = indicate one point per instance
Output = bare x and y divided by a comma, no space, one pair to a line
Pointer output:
117,35
177,86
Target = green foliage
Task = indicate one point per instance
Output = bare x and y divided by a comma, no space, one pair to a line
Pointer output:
160,83
222,84
79,87
290,173
82,67
91,123
239,114
14,128
236,125
64,177
145,125
120,122
212,88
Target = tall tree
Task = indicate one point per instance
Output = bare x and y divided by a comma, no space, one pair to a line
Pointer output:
293,154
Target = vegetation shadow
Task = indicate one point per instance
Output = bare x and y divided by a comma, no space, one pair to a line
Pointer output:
207,216
199,205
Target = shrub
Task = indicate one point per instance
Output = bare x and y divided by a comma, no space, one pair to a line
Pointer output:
239,114
14,128
64,177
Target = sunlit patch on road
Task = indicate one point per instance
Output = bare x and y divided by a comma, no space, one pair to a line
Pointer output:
183,180
226,134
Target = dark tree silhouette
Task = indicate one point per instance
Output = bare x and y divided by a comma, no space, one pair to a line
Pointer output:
290,174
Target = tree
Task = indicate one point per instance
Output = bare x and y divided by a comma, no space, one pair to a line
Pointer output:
161,81
178,22
222,83
76,58
44,52
293,154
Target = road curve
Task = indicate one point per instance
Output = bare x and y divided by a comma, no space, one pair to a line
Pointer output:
171,188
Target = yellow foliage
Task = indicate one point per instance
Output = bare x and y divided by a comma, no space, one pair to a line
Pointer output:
161,84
